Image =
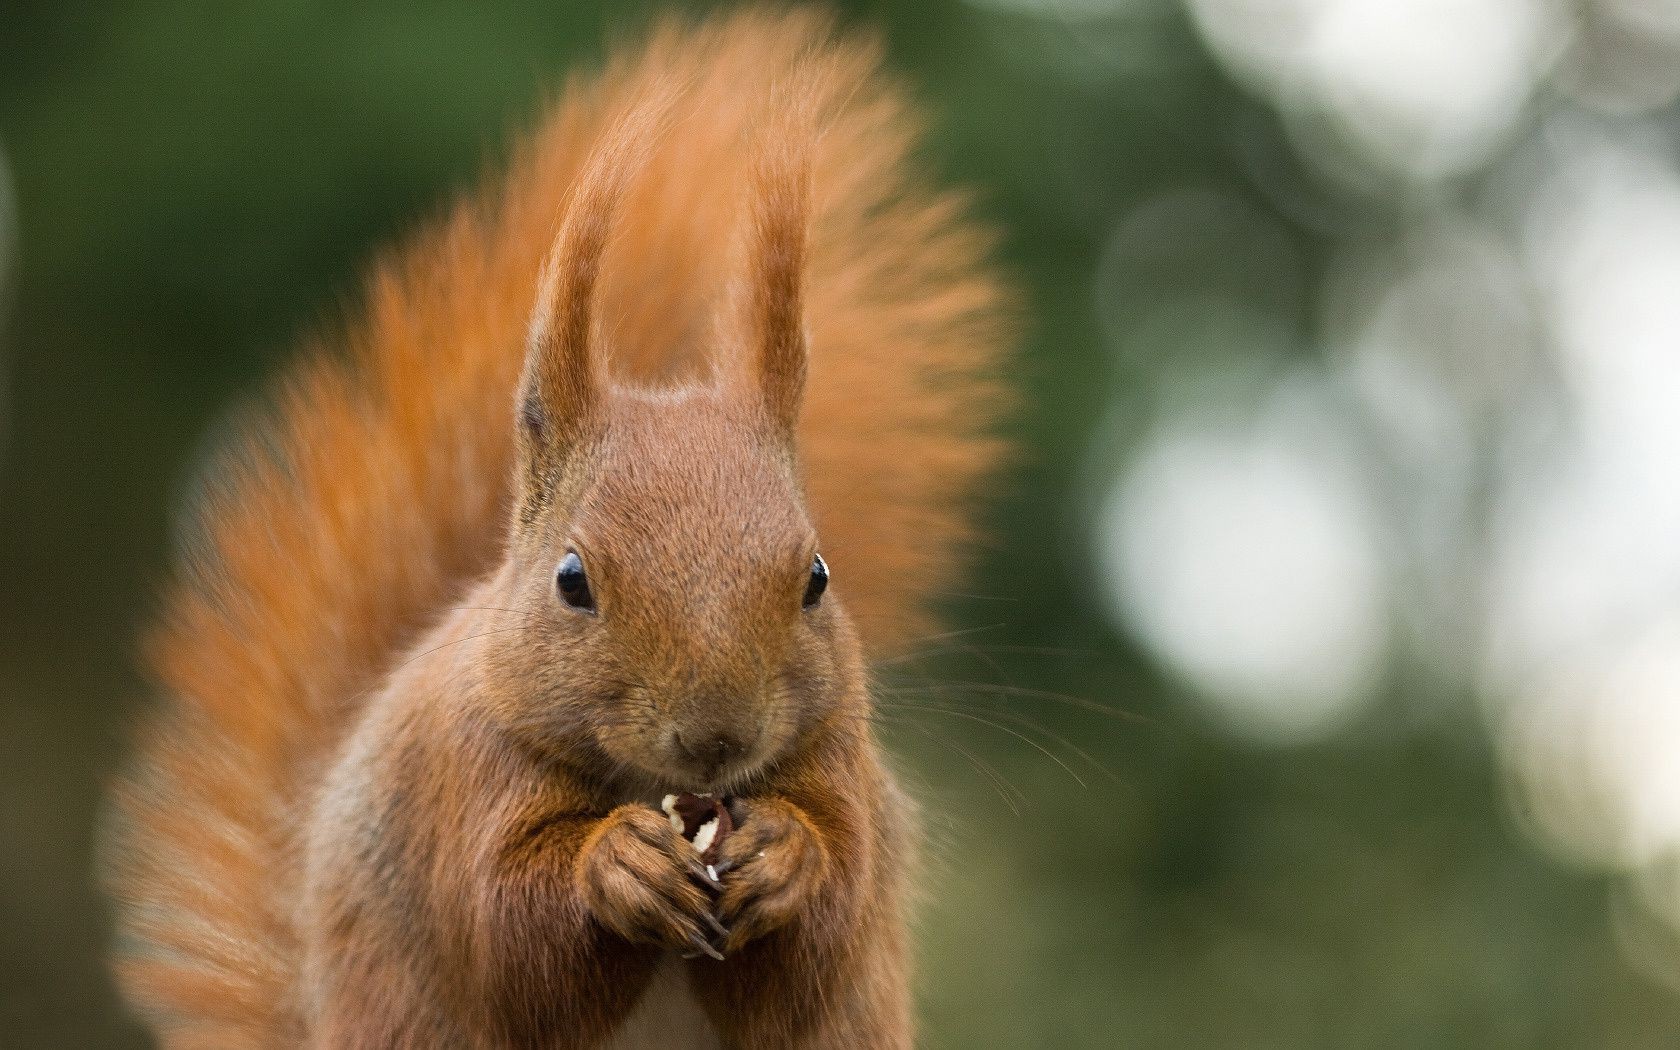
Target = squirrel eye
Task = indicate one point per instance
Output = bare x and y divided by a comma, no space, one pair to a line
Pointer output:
818,583
573,583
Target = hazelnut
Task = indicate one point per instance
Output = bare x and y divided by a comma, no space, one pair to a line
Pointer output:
701,819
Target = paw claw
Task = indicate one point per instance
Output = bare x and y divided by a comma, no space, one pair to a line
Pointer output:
701,947
717,927
704,876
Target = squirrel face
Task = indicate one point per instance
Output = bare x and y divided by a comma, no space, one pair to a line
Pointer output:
682,627
677,625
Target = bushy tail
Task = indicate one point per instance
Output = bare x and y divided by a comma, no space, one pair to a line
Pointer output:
346,521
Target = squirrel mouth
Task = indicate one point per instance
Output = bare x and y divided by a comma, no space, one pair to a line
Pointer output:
716,757
659,773
683,758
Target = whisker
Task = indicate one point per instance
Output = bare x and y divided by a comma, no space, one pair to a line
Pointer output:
962,633
494,608
998,781
1057,738
458,641
1084,703
977,650
1046,752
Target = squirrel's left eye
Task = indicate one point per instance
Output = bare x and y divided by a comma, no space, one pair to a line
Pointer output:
818,583
573,583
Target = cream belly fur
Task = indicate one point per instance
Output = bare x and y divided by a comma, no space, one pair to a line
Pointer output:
668,1017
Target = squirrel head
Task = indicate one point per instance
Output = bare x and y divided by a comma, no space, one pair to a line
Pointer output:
676,609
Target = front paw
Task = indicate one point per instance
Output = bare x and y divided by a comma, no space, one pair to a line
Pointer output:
642,881
772,867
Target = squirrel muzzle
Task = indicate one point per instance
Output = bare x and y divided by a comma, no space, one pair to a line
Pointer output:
710,751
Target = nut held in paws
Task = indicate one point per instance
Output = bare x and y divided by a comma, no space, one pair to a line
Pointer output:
701,819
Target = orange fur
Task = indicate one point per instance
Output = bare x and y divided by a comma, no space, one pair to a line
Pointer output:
394,796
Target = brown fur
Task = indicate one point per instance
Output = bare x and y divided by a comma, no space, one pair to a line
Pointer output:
398,796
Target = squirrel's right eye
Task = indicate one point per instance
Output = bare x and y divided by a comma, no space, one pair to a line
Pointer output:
573,583
818,582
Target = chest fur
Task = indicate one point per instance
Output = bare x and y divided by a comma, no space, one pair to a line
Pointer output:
667,1016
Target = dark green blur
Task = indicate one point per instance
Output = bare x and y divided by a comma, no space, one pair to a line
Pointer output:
198,184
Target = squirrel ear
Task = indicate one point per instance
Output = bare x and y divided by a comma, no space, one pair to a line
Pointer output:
563,378
775,322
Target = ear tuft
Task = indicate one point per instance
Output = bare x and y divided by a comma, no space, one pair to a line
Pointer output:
780,211
563,377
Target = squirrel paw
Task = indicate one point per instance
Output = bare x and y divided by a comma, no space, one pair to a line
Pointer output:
772,866
643,881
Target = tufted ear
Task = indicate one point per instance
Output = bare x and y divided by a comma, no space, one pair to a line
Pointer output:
775,311
564,379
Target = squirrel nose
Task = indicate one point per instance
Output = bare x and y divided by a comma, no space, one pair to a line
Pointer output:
713,748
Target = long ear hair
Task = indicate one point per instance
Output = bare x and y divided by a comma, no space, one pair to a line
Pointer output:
774,325
564,378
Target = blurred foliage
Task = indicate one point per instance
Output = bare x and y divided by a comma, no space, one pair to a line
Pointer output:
197,184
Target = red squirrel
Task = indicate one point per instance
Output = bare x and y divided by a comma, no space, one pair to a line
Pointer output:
545,535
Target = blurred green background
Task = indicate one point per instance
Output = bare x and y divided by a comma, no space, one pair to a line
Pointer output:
193,185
